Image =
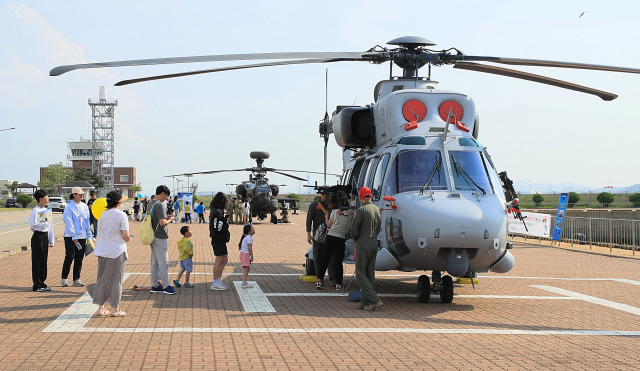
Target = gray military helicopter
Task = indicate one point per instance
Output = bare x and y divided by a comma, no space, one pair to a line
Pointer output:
444,205
264,196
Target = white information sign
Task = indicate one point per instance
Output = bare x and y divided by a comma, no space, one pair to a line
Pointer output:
538,225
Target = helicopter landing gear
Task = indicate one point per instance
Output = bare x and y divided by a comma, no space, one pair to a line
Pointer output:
424,289
442,285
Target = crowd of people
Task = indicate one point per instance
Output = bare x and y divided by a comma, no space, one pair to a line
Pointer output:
111,244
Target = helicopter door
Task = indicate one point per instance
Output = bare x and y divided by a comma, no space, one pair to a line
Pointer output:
376,186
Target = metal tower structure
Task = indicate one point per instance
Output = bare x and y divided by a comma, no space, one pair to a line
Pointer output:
102,138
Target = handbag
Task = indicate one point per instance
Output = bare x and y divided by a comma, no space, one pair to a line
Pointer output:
147,233
89,247
321,233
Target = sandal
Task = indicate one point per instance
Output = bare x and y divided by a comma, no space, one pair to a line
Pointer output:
188,284
119,313
103,313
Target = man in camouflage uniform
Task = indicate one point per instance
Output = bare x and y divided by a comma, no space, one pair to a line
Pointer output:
365,229
237,210
229,208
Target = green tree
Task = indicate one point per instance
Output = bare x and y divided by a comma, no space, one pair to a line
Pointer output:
12,186
573,198
80,175
54,177
635,199
96,181
24,199
135,188
605,198
293,195
537,199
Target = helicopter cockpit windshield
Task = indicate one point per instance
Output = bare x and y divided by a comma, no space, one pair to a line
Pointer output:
412,169
469,171
262,186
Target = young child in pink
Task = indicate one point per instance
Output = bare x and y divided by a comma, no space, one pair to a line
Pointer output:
246,252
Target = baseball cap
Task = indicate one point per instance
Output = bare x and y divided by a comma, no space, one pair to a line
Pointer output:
365,192
77,190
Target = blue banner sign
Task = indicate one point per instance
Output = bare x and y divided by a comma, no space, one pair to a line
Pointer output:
562,208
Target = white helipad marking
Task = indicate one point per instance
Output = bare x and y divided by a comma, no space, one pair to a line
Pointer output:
77,315
624,280
591,299
253,299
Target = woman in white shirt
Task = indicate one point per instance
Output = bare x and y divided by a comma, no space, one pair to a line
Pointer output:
111,250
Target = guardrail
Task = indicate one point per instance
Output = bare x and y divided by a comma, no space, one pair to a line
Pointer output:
606,232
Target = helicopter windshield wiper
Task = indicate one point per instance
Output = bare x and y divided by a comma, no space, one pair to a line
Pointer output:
467,178
433,172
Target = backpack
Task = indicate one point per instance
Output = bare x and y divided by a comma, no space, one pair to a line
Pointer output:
147,233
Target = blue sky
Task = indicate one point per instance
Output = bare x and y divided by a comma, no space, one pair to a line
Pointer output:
535,132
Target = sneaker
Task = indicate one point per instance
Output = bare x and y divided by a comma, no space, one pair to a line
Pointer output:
246,285
64,282
217,286
169,290
177,283
222,284
157,289
371,307
41,289
78,283
319,285
47,288
338,286
188,284
360,305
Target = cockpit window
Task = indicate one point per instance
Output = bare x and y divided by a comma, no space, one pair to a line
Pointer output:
262,186
468,142
379,176
411,170
469,171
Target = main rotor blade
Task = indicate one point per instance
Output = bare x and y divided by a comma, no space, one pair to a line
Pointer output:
208,172
539,63
302,61
305,171
57,71
535,78
289,175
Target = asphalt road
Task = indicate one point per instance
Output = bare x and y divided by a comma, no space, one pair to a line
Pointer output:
15,232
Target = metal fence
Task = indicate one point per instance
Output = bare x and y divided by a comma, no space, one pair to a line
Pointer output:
612,233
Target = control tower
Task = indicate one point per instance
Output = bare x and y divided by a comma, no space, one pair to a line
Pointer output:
102,137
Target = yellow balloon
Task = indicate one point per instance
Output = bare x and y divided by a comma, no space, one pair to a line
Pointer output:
98,207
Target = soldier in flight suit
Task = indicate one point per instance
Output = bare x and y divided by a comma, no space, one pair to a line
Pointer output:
237,210
365,229
229,208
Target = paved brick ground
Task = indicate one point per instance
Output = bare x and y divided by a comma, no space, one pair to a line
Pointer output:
518,327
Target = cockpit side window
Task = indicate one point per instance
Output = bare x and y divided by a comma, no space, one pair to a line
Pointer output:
370,170
376,188
353,181
362,175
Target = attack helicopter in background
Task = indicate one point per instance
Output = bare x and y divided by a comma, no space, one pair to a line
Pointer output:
265,201
444,204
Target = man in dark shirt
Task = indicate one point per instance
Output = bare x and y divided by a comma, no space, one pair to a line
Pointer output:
159,246
92,220
316,216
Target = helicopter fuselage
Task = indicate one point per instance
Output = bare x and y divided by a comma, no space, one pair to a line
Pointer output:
443,207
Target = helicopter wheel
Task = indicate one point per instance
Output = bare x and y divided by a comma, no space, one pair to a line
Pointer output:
424,289
446,295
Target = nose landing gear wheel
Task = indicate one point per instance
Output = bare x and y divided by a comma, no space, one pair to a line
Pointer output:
446,295
424,289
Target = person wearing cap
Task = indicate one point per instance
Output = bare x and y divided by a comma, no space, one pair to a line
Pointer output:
77,229
92,219
316,216
111,250
364,230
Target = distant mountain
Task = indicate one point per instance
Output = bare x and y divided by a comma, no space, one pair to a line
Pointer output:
523,187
